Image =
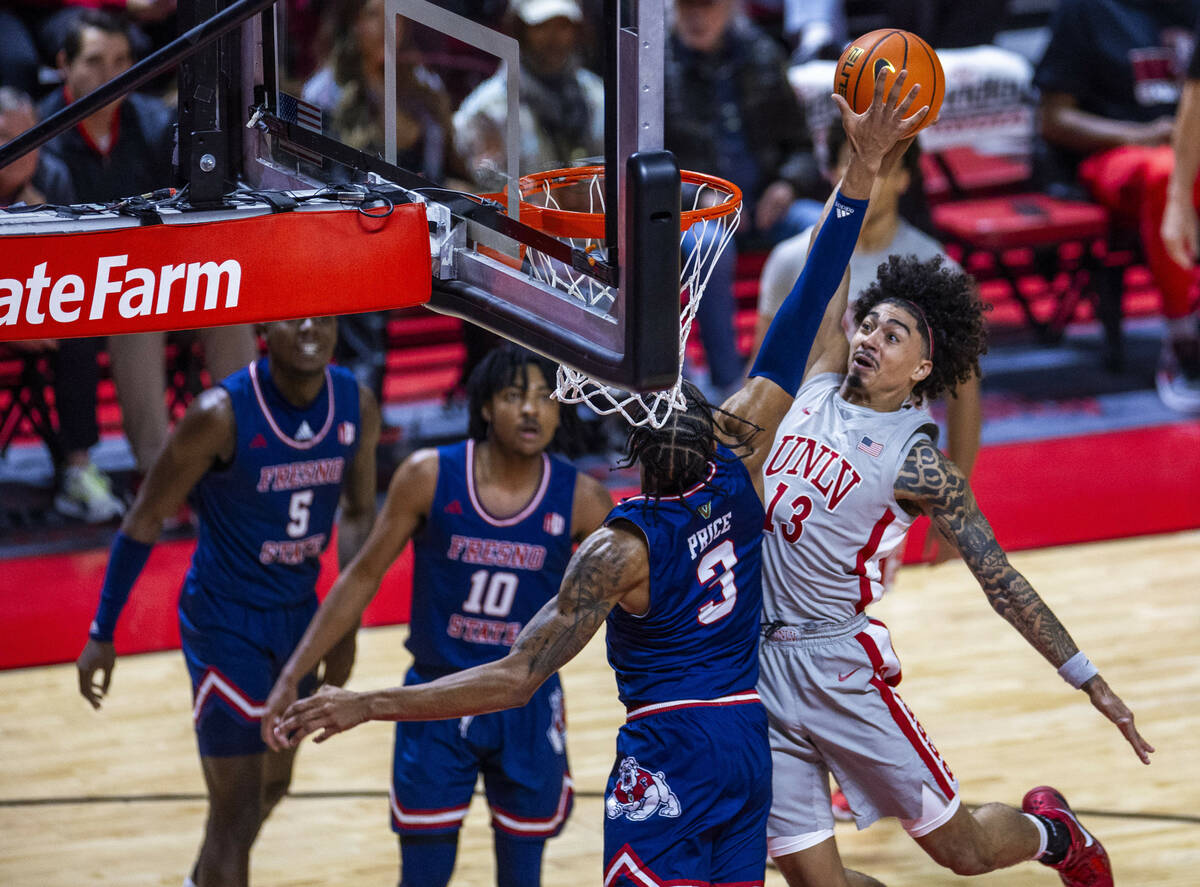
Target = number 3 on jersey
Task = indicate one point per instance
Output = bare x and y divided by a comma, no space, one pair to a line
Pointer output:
718,563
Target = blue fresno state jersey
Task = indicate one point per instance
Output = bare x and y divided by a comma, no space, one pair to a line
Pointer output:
266,518
477,579
699,639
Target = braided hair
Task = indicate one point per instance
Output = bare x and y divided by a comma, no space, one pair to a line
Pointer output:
948,303
679,456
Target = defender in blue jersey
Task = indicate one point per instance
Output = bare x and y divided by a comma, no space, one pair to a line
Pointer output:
676,574
267,457
493,520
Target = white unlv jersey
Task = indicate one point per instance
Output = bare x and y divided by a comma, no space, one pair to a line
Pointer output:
832,515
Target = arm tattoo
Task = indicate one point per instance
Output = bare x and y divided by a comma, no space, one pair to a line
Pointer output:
567,622
935,485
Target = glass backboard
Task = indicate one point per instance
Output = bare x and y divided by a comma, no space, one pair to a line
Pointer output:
455,102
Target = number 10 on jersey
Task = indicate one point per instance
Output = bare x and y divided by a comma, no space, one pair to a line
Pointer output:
492,594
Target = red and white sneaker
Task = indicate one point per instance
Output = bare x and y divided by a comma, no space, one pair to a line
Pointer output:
841,807
1086,864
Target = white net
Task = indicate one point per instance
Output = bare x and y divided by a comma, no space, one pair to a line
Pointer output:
711,211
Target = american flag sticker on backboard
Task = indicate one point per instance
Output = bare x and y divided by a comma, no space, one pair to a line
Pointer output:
554,523
303,114
300,112
870,447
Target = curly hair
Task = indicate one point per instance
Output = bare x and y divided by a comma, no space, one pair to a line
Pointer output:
953,314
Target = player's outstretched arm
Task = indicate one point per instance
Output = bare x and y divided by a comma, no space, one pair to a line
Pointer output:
356,515
409,498
611,566
203,437
877,138
932,484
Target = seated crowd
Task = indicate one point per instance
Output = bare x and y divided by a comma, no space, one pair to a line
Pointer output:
730,110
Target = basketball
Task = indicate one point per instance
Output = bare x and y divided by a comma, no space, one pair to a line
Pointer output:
890,50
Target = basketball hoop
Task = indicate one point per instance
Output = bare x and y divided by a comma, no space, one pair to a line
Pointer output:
569,204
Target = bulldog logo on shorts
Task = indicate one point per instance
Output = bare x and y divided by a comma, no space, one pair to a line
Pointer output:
640,794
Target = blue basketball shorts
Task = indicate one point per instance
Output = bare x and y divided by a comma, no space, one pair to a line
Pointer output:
521,753
234,653
688,798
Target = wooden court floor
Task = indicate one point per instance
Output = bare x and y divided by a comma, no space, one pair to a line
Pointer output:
115,797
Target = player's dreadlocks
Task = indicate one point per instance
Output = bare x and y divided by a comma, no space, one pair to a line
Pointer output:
507,365
947,306
678,456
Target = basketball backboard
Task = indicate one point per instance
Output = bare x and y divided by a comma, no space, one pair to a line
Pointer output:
320,125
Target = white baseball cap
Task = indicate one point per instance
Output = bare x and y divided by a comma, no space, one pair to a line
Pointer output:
535,12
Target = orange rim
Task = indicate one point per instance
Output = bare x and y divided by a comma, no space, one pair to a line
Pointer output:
572,224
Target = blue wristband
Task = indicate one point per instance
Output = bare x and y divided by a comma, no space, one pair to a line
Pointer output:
793,330
126,559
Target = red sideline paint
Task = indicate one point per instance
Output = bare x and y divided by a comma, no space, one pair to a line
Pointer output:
1036,494
46,622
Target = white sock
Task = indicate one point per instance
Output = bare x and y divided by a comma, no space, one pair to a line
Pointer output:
1037,823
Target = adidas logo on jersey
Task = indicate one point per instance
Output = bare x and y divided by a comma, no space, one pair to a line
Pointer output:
258,442
842,210
304,432
454,507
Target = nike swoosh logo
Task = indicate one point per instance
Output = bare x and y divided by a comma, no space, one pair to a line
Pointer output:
843,677
1088,840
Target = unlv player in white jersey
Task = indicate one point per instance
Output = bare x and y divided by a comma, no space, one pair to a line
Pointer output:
853,463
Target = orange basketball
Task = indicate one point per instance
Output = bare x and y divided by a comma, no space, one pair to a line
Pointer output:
889,50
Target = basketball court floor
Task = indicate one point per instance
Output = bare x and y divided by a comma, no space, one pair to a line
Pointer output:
115,797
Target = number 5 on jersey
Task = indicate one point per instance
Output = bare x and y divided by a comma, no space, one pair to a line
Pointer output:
718,563
298,512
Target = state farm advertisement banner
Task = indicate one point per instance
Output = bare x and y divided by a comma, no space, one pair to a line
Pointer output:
213,273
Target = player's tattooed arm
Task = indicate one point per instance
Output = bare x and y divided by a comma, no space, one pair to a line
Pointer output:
611,566
932,484
935,486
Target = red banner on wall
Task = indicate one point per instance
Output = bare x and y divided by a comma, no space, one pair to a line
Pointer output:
212,273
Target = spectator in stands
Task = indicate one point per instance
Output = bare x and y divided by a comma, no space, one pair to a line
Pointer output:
562,103
1179,225
561,116
730,111
19,60
32,31
1109,84
37,177
350,89
885,232
122,150
809,28
83,491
